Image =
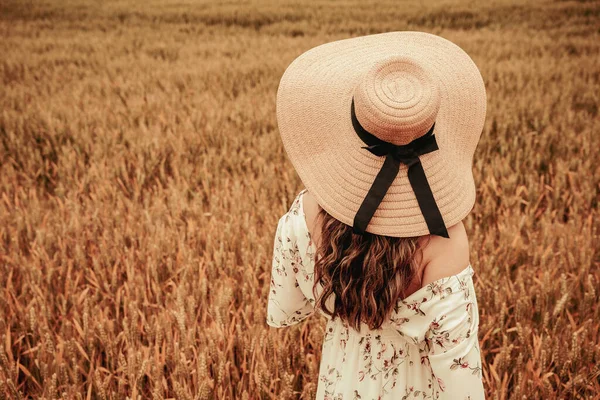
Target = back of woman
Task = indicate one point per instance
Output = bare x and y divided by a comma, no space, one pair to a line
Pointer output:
382,130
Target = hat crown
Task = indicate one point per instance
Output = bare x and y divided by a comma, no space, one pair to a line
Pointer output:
397,100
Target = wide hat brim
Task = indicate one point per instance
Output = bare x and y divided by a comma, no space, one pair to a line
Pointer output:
313,115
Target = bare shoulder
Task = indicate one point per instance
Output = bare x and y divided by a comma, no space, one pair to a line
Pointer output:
311,210
310,205
444,257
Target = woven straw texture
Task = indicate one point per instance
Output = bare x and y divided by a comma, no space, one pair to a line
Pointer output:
402,82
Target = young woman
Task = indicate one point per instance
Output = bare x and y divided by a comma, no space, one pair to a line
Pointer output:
382,130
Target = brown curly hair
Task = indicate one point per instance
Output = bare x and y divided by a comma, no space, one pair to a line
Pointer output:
368,274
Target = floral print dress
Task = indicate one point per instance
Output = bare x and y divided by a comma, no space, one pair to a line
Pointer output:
429,348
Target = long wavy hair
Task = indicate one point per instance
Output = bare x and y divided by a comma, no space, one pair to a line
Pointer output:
367,274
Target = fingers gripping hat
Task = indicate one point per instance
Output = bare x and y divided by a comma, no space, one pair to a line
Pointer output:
382,130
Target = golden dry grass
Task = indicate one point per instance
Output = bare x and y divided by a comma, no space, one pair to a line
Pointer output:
142,176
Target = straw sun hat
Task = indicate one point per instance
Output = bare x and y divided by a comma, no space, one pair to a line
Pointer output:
382,130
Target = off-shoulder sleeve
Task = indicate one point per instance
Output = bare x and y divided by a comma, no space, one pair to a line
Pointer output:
287,305
452,343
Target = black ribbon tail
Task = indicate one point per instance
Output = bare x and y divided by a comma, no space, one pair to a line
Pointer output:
396,154
379,188
430,210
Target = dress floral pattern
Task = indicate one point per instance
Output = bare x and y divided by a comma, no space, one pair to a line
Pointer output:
429,348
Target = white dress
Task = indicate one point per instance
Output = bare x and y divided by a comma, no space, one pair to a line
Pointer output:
429,348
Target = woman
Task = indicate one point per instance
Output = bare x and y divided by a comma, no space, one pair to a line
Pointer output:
382,130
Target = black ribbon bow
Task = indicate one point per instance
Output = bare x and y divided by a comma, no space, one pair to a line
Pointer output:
396,154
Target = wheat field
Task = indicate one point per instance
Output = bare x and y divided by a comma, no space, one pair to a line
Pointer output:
142,177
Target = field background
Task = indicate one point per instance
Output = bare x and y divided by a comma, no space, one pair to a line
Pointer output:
142,176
